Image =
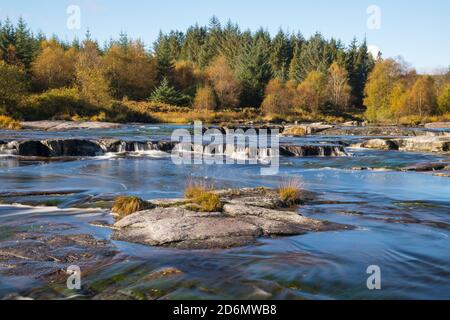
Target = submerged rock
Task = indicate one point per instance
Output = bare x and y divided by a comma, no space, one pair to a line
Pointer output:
239,224
46,256
423,167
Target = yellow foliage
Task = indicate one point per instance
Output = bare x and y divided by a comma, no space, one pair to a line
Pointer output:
205,99
203,197
9,123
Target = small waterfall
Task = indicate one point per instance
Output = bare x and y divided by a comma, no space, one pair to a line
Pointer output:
122,147
8,148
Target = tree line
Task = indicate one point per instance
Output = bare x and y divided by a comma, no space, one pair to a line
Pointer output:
213,67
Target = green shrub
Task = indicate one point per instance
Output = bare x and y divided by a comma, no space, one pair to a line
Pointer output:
61,103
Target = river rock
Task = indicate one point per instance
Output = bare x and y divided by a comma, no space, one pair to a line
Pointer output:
306,129
380,144
239,224
380,131
438,125
424,144
423,167
73,148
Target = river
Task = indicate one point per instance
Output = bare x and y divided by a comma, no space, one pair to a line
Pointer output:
401,220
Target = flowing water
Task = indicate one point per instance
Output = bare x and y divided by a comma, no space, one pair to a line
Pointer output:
401,219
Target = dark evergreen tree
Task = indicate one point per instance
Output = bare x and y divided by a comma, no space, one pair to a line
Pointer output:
7,38
281,55
165,93
24,44
163,56
254,72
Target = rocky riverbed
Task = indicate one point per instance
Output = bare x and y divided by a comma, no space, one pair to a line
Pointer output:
372,201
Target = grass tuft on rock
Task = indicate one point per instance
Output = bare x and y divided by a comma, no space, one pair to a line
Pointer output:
9,123
290,192
126,205
203,197
295,131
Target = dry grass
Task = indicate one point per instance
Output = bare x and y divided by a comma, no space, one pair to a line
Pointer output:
126,205
9,123
295,131
203,197
290,192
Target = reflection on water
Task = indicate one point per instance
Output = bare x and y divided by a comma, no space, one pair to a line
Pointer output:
402,225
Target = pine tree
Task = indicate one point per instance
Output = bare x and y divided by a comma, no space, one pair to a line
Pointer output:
167,94
280,55
7,38
253,72
24,43
163,56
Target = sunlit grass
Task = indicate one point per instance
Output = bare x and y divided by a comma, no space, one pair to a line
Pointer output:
290,191
126,205
203,197
9,123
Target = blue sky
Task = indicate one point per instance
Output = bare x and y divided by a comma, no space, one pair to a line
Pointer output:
416,30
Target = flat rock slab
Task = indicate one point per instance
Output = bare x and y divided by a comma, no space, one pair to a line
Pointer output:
239,224
438,125
67,125
414,144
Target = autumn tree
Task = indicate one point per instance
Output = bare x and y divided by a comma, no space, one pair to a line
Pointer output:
444,99
279,98
90,75
398,100
312,91
131,71
205,99
54,67
379,87
338,88
224,82
185,77
422,97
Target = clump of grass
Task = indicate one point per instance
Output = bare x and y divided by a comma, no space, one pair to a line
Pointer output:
126,205
203,197
295,131
9,123
290,192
